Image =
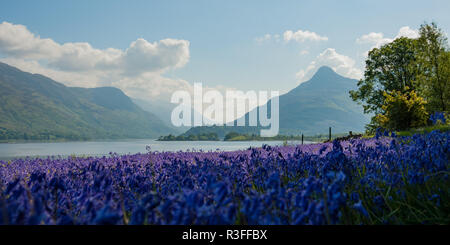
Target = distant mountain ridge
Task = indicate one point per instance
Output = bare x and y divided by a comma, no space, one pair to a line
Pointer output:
163,110
36,107
310,108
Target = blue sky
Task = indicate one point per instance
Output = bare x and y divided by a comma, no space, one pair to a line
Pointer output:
225,38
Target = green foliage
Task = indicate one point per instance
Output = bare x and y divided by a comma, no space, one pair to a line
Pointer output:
434,62
407,70
191,137
424,130
402,111
388,68
404,204
233,136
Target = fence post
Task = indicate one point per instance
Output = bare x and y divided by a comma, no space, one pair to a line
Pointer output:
329,133
302,139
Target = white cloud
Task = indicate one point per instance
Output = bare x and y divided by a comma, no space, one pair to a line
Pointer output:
341,64
304,52
143,56
150,85
263,38
17,41
373,38
137,70
376,40
406,31
298,36
302,36
267,38
78,79
276,37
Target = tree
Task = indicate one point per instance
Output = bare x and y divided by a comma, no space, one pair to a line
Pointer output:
407,65
231,135
402,110
392,67
434,64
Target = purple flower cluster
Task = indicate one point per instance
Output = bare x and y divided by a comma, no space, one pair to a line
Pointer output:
357,181
437,117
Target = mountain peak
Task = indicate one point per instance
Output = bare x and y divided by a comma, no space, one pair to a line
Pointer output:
325,78
325,70
326,75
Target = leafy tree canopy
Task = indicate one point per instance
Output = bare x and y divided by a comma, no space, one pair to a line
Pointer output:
419,67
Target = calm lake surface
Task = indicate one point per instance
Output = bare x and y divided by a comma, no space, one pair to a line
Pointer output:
103,148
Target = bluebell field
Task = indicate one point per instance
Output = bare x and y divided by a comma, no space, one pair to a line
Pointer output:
438,118
383,180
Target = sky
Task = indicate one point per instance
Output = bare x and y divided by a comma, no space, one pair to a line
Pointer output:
150,49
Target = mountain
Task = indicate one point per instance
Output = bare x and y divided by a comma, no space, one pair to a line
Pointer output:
311,108
36,107
159,108
163,110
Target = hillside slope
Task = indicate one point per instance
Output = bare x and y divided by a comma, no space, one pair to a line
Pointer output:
311,108
36,107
